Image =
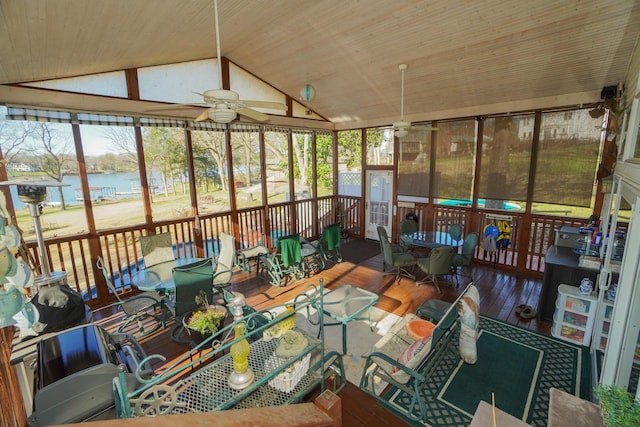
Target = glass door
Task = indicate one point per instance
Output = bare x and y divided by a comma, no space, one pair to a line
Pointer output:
379,194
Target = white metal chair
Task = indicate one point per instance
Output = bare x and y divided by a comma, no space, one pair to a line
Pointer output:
223,269
156,248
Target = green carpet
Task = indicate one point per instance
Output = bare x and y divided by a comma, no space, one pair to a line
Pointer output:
357,250
518,365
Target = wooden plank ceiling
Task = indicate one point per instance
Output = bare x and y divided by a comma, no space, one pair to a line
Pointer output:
465,58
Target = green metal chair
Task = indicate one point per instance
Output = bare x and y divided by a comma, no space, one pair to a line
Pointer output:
329,243
455,231
137,308
438,263
382,235
285,263
400,261
408,228
465,258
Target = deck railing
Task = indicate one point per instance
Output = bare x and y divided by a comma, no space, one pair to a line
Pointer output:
530,237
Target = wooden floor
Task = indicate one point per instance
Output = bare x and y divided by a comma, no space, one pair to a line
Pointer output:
501,292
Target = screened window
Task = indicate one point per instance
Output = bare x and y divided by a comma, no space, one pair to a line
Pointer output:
567,158
211,173
302,165
414,163
350,163
504,166
114,175
455,152
247,172
379,146
324,164
167,176
277,164
45,151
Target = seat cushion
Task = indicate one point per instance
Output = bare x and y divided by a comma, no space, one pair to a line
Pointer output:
396,344
469,311
403,260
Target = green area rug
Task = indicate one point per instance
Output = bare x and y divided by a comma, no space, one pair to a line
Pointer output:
517,365
358,250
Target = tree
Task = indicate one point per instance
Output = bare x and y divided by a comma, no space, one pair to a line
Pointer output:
53,145
12,138
215,145
164,151
124,141
301,147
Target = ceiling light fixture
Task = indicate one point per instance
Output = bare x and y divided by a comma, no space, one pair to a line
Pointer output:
307,93
222,115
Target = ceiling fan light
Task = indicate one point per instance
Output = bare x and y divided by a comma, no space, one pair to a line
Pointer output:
401,133
222,115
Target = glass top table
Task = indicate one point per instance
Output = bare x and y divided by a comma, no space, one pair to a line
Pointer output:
346,303
431,239
159,277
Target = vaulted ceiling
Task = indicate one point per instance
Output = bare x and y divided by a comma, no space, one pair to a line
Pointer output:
465,58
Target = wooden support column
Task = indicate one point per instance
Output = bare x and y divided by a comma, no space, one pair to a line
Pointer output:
524,231
12,412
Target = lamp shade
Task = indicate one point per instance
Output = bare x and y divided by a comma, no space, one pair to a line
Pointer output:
307,93
222,115
401,133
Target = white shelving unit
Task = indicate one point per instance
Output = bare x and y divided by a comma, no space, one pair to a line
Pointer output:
603,326
574,317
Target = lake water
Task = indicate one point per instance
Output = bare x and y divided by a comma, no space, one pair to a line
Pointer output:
124,185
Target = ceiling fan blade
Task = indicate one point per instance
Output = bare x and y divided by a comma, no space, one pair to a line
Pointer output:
202,116
170,107
265,104
424,127
253,114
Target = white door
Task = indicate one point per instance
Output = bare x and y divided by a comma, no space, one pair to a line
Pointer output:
378,196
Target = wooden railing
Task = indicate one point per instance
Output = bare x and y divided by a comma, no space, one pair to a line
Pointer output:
76,255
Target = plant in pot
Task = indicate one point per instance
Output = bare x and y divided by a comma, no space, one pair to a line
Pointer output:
619,407
205,321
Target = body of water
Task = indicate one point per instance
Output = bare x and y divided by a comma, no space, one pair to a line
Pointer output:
107,185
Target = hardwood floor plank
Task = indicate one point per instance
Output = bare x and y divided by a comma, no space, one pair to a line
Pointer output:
500,291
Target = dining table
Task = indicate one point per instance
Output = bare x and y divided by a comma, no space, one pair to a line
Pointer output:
159,277
431,239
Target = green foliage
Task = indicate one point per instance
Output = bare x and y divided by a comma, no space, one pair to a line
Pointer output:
207,321
619,407
208,318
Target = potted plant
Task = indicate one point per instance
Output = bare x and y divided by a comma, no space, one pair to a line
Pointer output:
619,407
205,321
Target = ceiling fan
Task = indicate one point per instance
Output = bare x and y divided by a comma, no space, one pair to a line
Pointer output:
402,128
225,104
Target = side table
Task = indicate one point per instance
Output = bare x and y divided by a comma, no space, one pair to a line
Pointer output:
347,303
